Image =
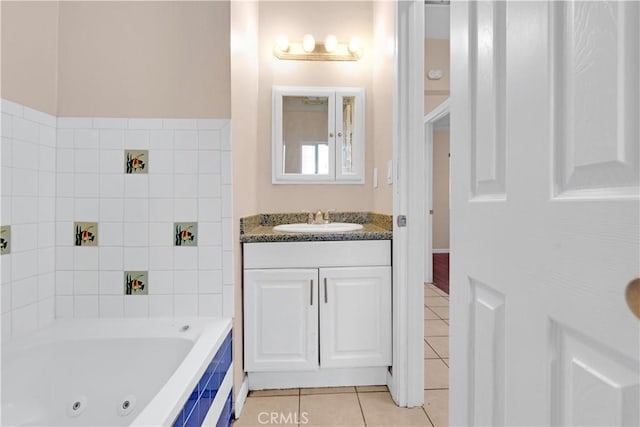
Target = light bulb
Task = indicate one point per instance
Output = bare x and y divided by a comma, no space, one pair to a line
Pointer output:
330,43
354,45
308,43
283,44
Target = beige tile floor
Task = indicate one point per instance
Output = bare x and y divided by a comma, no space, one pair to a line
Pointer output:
366,406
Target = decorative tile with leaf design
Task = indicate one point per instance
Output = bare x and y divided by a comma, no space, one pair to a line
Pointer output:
185,234
136,161
85,233
5,239
136,283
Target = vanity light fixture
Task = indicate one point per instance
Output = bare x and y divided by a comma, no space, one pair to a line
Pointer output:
311,50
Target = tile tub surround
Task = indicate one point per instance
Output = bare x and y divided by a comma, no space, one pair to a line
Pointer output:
259,228
186,178
28,156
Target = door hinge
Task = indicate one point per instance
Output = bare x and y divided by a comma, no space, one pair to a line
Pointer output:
402,221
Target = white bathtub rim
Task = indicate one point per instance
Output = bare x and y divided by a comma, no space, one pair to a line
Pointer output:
167,404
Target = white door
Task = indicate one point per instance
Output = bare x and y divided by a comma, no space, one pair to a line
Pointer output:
355,317
545,236
280,320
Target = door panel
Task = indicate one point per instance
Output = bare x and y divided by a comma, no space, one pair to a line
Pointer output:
355,308
540,331
281,320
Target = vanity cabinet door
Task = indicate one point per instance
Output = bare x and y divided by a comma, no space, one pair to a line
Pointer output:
355,313
280,319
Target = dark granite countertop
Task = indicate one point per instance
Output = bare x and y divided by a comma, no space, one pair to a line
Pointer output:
259,228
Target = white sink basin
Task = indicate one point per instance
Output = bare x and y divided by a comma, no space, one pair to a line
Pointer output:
332,227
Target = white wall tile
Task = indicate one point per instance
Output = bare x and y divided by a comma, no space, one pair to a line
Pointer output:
210,305
136,139
226,164
47,186
161,258
25,130
185,140
185,282
24,320
111,306
209,233
85,258
209,140
25,182
46,260
47,158
11,107
109,123
24,292
86,282
47,236
211,123
85,306
228,307
185,210
209,162
111,258
24,264
161,305
64,306
86,161
86,185
6,208
185,162
225,137
163,161
161,186
136,259
6,327
227,234
210,257
136,210
86,138
111,186
136,234
185,186
145,124
64,138
111,209
75,123
48,136
209,210
111,234
136,306
64,258
185,305
160,282
64,282
65,160
227,267
112,140
160,210
185,258
5,268
161,234
209,186
46,286
25,154
7,125
6,152
160,140
39,117
6,297
210,282
65,208
46,311
227,201
111,161
136,186
87,210
24,210
179,123
24,237
111,282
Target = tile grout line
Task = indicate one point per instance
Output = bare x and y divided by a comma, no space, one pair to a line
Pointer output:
364,420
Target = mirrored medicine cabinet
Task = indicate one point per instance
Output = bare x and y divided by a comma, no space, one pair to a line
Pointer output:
318,135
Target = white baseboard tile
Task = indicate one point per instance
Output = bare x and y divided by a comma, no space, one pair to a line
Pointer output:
241,397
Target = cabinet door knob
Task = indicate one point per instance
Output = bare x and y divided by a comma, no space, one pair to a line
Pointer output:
339,134
632,296
330,134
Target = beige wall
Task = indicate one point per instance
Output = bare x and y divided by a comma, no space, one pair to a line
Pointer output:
244,119
295,19
30,54
144,59
441,189
436,56
382,96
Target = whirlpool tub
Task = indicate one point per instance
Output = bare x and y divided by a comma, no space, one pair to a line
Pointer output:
118,372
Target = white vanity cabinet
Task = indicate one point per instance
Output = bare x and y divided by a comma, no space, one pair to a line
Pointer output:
317,313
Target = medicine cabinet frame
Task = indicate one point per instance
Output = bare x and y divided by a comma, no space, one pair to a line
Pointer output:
335,135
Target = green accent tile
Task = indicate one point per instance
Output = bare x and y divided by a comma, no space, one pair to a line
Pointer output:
85,233
185,234
136,283
136,161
